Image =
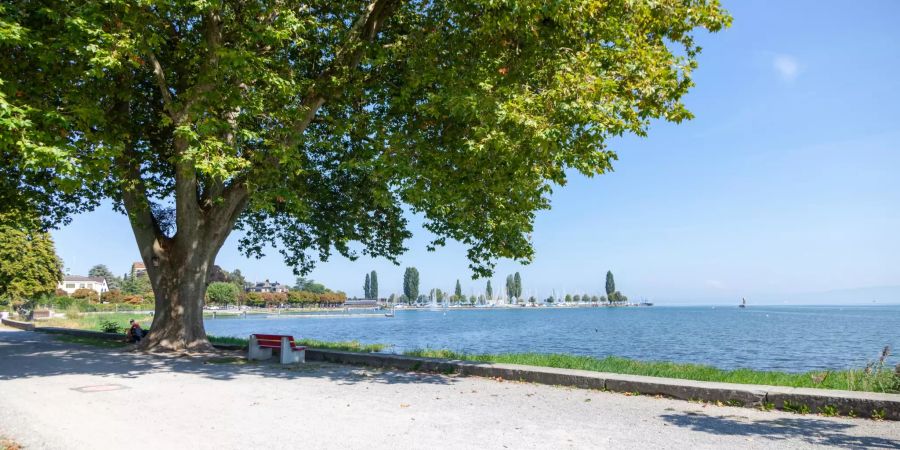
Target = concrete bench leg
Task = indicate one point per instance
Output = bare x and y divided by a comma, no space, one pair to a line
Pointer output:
256,353
289,355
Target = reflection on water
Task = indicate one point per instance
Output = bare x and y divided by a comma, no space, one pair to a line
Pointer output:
768,338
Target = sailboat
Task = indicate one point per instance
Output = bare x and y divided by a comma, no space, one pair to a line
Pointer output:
743,303
390,313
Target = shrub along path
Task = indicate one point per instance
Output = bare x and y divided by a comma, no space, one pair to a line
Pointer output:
65,395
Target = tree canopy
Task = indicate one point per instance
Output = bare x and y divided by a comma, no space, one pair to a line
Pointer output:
222,293
29,266
100,270
309,125
313,121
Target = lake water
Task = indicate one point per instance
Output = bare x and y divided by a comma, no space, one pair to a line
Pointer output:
790,339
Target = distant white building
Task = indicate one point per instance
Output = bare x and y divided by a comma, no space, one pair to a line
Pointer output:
72,283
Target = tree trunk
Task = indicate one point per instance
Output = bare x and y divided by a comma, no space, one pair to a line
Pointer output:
179,287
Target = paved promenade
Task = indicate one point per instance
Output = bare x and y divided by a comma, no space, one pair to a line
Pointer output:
64,396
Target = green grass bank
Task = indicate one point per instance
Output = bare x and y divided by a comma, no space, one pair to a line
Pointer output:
883,380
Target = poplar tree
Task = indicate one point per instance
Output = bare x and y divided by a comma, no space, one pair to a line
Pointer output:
411,284
610,285
517,285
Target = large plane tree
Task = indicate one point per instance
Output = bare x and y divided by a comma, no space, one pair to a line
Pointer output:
308,125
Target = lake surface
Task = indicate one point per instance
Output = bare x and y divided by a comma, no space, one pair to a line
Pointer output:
782,338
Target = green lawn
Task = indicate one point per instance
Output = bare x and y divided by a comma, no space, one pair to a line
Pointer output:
95,322
850,380
92,341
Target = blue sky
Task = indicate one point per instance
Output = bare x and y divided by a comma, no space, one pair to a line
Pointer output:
785,183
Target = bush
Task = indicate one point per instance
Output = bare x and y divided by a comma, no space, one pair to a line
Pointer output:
133,299
72,312
112,296
87,294
107,326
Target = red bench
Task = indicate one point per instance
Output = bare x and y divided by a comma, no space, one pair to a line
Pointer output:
261,346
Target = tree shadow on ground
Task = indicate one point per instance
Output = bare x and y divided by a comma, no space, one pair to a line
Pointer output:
807,429
34,355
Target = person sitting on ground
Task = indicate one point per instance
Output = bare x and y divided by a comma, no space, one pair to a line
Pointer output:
135,333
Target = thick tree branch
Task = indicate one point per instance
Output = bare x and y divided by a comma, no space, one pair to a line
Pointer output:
212,25
162,84
150,237
187,205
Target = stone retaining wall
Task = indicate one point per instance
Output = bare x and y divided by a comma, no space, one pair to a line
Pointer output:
27,326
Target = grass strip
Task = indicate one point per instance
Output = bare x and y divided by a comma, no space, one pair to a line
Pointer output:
92,341
850,380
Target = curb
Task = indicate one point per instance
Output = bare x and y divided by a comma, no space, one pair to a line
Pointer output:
861,404
27,326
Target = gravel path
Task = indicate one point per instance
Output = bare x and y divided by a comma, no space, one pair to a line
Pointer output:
64,396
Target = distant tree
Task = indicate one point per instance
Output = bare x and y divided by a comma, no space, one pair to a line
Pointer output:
392,299
488,291
532,300
604,299
222,293
373,286
439,295
308,285
576,298
517,284
610,284
472,299
458,291
568,298
550,299
29,267
595,299
138,285
481,299
367,287
217,274
510,287
411,284
618,297
101,271
237,278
